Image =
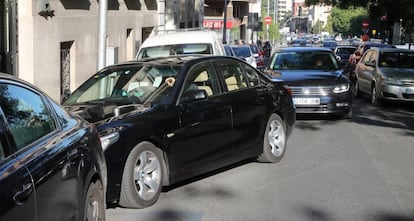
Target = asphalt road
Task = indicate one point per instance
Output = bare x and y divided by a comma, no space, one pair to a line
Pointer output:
333,170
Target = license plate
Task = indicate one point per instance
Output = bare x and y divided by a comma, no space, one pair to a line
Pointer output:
306,101
409,91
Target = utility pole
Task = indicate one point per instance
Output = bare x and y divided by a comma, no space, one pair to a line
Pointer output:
267,26
225,22
103,6
103,9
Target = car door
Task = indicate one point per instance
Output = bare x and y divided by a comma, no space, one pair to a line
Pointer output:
42,149
363,72
205,134
247,98
17,195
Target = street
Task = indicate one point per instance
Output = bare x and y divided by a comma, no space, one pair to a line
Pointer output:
333,170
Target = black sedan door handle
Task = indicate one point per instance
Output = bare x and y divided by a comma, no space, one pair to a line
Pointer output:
23,194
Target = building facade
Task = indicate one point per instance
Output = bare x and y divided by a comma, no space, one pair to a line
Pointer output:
54,43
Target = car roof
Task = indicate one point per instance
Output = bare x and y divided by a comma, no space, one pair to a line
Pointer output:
301,49
186,37
379,45
346,46
392,49
177,60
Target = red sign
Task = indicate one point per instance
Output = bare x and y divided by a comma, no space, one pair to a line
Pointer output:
365,24
216,24
268,20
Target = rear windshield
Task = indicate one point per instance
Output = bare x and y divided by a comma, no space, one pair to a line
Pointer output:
170,50
304,60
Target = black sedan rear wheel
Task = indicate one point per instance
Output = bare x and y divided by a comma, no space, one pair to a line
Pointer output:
143,177
275,139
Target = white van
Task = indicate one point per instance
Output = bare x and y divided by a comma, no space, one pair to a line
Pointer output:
176,43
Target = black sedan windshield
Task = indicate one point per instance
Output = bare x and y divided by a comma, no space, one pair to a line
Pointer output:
304,60
142,84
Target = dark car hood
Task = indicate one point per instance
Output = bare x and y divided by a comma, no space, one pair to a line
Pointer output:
400,73
309,77
101,113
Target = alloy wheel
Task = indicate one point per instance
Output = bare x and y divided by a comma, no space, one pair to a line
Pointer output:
276,138
147,175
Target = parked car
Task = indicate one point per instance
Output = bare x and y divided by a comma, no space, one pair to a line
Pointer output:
300,42
229,51
330,44
318,84
386,74
169,119
244,52
343,52
181,43
257,54
52,165
356,56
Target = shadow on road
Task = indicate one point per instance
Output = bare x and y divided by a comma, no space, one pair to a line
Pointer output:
390,114
393,115
311,214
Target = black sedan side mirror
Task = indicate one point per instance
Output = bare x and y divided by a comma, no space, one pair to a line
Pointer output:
65,95
194,95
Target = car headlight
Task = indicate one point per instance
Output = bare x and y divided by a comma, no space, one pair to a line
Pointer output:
391,80
341,88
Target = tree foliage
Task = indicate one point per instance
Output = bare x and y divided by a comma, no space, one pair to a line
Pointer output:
347,21
390,10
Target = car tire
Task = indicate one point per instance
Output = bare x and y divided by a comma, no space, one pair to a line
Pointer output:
348,115
94,202
375,97
274,141
142,177
357,91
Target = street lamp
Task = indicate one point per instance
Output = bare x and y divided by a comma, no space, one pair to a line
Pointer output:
224,22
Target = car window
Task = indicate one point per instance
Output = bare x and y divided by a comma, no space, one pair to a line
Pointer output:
140,84
252,76
366,56
170,50
27,115
304,60
242,52
202,77
233,76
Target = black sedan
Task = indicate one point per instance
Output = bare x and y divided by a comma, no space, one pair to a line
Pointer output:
168,119
52,165
317,82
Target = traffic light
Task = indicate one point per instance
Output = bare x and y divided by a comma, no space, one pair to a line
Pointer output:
299,10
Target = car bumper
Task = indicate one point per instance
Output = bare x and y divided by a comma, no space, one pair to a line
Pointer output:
398,93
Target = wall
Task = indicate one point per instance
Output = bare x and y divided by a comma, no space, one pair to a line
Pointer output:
40,38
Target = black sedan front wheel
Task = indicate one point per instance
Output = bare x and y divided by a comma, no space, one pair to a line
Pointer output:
275,139
143,177
95,202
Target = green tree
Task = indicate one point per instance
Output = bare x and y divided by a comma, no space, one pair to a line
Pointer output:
346,21
318,27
